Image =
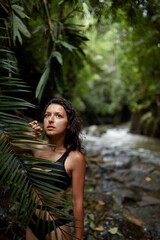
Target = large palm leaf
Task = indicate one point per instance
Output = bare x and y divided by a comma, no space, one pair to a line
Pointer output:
23,183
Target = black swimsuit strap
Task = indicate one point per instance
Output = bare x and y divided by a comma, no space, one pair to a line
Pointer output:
63,157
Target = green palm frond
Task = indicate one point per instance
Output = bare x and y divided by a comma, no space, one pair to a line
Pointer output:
23,184
22,181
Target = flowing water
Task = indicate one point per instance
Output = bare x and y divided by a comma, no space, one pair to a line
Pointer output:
120,138
129,181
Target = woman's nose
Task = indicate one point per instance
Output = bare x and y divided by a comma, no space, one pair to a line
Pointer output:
51,118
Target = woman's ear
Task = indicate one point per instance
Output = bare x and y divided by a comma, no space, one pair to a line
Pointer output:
68,126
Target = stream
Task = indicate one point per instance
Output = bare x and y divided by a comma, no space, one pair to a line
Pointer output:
122,184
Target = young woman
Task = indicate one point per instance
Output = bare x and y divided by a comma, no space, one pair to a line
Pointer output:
62,127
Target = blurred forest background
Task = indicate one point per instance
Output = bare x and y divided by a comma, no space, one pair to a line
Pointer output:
101,55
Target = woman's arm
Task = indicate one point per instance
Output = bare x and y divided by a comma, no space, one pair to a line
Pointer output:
78,177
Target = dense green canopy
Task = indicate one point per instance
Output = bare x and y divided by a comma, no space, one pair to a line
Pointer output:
102,55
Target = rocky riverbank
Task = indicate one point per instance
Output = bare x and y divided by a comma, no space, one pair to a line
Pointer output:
122,194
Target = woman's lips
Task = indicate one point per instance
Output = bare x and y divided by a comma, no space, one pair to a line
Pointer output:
50,127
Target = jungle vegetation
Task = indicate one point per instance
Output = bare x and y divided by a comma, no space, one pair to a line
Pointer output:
103,55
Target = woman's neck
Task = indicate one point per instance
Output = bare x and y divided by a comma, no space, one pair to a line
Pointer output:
58,144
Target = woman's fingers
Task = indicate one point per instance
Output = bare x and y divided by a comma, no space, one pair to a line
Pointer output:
38,128
35,126
31,124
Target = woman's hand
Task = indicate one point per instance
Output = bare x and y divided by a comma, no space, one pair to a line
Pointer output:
36,127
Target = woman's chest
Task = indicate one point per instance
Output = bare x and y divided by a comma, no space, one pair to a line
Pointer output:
48,155
58,159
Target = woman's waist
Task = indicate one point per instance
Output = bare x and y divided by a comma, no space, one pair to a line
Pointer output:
49,212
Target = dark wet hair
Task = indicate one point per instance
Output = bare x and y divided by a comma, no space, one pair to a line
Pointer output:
72,139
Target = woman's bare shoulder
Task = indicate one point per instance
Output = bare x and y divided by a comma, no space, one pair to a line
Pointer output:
77,157
76,154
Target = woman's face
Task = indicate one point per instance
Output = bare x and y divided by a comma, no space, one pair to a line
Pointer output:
55,120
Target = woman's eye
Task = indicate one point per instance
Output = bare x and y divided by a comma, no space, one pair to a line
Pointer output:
59,115
46,115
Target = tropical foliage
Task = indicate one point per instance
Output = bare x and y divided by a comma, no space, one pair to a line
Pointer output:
124,35
139,61
22,184
121,70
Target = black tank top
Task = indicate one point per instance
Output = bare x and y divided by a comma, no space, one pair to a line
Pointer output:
57,177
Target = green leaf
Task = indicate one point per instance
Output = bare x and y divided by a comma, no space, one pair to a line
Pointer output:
19,10
26,189
18,28
91,216
42,83
67,45
15,171
60,2
58,56
6,166
92,225
22,28
31,205
113,230
90,237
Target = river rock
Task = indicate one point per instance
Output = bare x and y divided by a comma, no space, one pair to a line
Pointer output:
148,200
127,180
95,130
